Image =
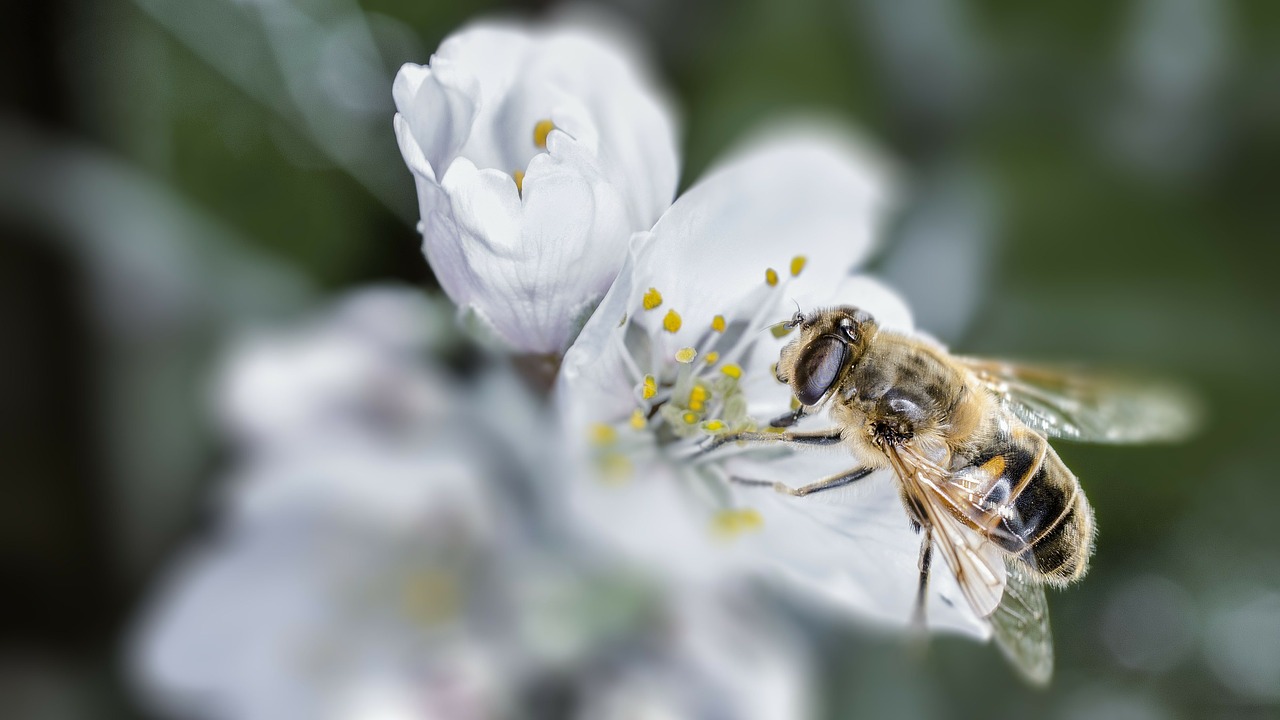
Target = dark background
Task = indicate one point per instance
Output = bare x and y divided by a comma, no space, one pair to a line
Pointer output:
1104,172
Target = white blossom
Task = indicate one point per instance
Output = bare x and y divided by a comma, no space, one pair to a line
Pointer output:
369,564
683,348
537,152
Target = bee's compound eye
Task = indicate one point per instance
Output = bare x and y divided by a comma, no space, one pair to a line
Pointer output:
818,368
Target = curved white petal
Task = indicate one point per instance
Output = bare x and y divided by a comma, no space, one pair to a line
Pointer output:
793,193
532,256
851,547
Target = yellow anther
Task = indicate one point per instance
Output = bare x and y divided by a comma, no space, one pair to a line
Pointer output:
729,523
652,299
733,370
432,597
671,323
602,434
519,176
711,357
650,387
717,323
714,425
795,403
684,355
771,276
540,132
689,418
780,330
615,468
797,264
698,397
638,421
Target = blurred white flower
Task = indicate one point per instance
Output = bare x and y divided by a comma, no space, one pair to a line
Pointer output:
354,370
375,564
683,348
537,151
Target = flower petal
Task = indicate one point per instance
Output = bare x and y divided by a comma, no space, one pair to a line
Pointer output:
794,193
438,106
551,147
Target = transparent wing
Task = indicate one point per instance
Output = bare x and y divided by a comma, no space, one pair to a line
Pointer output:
1021,625
1091,407
1000,587
977,564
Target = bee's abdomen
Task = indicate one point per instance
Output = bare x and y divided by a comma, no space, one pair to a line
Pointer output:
1044,517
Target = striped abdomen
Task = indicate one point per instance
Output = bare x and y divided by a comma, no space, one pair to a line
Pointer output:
1037,510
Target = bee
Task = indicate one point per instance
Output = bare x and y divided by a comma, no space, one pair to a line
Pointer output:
968,441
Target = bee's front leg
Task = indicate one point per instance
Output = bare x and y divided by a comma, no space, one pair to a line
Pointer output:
820,437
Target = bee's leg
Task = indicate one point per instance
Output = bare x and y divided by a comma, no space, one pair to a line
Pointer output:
819,437
827,483
922,590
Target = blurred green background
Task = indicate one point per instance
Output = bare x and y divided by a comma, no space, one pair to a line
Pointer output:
1084,181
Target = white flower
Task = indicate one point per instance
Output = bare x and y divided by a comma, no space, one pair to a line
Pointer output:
390,565
537,151
353,369
682,348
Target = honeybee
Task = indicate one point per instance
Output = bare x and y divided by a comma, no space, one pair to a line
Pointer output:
967,439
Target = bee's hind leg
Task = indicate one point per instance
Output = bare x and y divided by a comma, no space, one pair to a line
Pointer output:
827,483
922,590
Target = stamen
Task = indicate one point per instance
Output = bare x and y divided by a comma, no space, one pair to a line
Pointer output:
672,322
797,265
519,176
686,355
602,434
780,330
714,426
733,370
711,357
771,277
652,299
689,418
638,420
540,132
718,324
698,397
730,523
650,388
615,468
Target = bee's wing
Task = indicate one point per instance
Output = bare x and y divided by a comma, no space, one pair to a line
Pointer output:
1021,625
1074,405
977,564
998,587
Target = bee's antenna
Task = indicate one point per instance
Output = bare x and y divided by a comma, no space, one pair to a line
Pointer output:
771,326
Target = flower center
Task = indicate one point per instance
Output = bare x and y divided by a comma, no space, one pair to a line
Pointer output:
693,391
541,130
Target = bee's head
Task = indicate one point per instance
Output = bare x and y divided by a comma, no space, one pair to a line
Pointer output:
830,342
